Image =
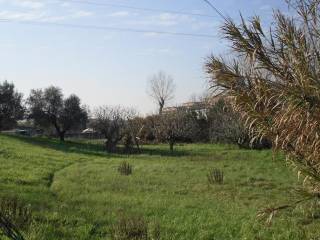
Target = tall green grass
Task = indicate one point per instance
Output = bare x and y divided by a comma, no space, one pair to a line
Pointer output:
76,191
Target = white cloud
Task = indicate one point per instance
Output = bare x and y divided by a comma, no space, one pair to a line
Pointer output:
163,20
35,10
119,14
151,34
65,5
81,13
43,15
158,51
168,19
21,16
30,16
199,25
53,19
29,4
108,37
265,7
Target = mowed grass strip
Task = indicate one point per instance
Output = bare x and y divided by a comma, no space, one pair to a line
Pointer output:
76,191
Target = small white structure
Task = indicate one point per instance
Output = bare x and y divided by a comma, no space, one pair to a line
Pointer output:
88,131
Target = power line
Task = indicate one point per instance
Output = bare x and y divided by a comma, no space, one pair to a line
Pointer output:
95,27
215,9
137,8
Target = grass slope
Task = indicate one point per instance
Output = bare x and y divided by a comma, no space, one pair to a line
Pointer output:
76,192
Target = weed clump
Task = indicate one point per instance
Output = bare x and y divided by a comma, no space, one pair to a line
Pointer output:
134,228
215,176
16,211
125,168
15,217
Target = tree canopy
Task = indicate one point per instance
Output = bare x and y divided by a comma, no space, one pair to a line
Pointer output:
11,107
48,108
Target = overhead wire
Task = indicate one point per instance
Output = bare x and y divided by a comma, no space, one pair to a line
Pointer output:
147,31
95,27
136,8
216,9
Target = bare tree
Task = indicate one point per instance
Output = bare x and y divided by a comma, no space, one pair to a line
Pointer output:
170,127
112,123
135,127
161,88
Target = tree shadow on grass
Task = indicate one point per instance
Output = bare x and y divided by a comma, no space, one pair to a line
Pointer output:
160,151
86,148
96,148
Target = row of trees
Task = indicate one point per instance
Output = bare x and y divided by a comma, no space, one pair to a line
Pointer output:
51,111
47,108
124,125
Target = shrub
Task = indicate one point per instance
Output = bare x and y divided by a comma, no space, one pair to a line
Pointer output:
246,142
215,176
15,217
128,143
224,125
17,212
134,228
125,168
8,229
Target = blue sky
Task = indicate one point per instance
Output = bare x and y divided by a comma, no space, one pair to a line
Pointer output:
105,67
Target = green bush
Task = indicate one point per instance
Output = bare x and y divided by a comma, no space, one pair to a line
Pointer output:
125,168
15,217
17,212
134,228
215,176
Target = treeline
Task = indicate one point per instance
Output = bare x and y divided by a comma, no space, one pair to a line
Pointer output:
49,110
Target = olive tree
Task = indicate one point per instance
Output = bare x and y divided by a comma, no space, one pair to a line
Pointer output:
11,107
48,108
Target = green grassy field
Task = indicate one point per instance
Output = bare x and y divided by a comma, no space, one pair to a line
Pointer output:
76,192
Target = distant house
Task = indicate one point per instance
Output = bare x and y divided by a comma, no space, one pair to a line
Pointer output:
169,109
90,133
201,107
